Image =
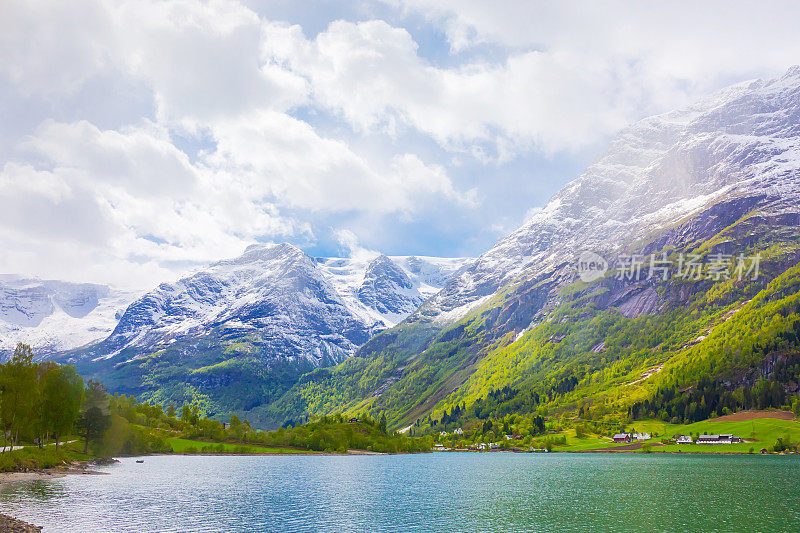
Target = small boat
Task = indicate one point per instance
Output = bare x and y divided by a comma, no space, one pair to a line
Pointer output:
140,461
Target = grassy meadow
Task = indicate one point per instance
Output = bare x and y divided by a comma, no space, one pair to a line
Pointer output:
758,433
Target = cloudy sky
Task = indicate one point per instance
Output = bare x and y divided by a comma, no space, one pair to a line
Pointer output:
141,139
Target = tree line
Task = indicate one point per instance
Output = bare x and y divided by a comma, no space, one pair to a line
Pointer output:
43,402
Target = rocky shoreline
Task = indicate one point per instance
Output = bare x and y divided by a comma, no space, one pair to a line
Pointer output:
81,467
10,524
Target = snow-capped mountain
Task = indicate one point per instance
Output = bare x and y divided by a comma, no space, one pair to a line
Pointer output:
720,177
740,145
54,316
384,290
290,305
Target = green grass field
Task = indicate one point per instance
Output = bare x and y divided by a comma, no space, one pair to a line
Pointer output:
34,458
760,433
589,442
180,445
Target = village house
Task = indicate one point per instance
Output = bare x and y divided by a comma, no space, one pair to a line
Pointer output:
458,431
622,437
443,433
718,439
641,436
684,439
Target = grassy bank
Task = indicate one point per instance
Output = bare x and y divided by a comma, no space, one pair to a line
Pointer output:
190,446
35,458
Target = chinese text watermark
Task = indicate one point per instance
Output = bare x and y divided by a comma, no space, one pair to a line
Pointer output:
691,267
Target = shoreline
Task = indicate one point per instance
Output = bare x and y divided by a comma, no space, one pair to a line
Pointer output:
275,454
85,467
82,467
9,523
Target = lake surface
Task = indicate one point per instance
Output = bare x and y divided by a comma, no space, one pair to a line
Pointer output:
427,492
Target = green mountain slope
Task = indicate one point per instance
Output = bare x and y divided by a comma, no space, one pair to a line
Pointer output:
584,354
519,330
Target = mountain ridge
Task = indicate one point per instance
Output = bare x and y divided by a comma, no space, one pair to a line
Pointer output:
240,331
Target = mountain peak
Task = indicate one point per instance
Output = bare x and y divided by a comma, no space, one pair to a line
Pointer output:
267,253
792,72
743,141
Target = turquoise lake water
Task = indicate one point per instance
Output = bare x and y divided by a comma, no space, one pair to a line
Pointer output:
427,492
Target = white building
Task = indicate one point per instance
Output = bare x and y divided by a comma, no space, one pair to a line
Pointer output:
458,431
641,436
718,439
684,439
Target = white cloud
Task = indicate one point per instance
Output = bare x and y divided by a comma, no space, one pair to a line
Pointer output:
371,74
127,196
202,60
51,48
284,158
141,160
23,179
574,73
350,246
131,195
254,123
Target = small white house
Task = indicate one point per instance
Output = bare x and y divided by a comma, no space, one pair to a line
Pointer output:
443,433
458,431
641,436
684,439
718,439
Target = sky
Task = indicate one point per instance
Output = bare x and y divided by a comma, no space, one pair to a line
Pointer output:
142,139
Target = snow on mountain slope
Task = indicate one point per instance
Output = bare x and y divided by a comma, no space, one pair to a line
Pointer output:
288,303
54,316
742,142
384,290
